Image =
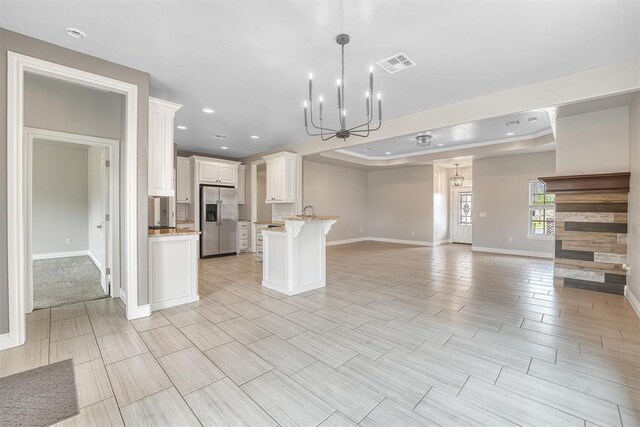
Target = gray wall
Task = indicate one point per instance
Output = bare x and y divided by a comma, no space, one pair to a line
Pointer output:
336,190
500,188
596,142
14,42
56,105
60,197
263,209
400,203
633,251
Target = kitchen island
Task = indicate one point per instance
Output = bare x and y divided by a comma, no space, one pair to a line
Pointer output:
295,254
173,267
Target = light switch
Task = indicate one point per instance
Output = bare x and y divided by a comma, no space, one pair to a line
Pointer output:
483,214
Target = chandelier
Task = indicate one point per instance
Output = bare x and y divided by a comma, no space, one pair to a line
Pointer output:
343,132
456,180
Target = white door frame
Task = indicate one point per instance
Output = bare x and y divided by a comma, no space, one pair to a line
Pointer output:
113,238
467,186
254,200
17,262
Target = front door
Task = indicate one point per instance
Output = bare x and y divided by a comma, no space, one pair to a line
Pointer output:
461,224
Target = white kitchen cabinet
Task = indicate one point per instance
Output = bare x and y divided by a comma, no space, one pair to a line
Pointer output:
243,236
160,147
240,188
210,172
283,171
183,181
173,269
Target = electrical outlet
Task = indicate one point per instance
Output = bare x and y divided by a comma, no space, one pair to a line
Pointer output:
361,231
510,239
67,241
413,233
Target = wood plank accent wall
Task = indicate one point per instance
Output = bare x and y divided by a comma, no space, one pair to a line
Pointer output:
591,241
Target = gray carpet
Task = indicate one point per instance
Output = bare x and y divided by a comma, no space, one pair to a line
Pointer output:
39,397
61,281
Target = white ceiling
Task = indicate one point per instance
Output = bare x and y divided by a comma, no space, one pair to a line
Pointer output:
249,59
477,133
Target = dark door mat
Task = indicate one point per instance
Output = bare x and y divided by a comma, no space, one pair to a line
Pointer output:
39,397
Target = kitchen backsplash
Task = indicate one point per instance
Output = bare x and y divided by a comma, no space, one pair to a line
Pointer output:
279,211
181,211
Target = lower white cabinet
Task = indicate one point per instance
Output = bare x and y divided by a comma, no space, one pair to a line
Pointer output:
173,270
244,233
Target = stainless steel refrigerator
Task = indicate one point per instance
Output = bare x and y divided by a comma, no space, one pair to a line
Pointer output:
218,221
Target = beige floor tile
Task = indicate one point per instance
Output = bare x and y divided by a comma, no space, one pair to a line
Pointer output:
103,307
286,401
137,377
166,408
29,356
224,404
165,340
68,311
322,348
105,413
39,315
190,370
38,330
312,322
276,306
69,328
389,413
110,324
359,342
238,362
81,349
243,330
337,420
121,345
92,383
182,316
156,320
247,310
287,358
205,335
340,391
279,326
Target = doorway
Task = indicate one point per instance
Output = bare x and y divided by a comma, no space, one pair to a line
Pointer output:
462,215
73,234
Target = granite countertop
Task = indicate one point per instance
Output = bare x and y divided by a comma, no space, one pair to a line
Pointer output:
269,222
280,229
184,221
313,218
173,232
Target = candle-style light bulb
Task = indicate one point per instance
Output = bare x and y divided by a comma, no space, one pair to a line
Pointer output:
339,82
370,69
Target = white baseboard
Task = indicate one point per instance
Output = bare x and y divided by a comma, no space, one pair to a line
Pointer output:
347,241
68,254
138,312
632,300
123,295
95,261
513,252
5,341
441,242
402,242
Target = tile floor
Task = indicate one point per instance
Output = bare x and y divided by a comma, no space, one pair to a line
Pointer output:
401,335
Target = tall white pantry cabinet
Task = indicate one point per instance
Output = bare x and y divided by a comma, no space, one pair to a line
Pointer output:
160,147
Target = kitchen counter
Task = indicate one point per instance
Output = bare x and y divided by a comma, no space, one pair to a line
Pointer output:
173,232
269,222
294,255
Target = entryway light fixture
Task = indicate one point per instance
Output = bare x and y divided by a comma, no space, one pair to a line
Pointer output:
343,132
423,140
456,180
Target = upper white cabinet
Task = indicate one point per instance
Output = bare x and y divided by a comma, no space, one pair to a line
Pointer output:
183,181
160,147
210,172
241,184
283,170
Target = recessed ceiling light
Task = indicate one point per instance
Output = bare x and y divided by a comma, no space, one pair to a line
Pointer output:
255,137
441,145
369,149
387,152
75,33
225,148
532,119
181,127
208,110
511,133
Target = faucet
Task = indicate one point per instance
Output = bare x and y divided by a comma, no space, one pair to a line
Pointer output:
304,211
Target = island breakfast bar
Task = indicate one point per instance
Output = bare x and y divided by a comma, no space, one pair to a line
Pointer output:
295,254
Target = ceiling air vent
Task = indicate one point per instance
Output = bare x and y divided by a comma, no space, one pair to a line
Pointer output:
220,136
397,62
512,123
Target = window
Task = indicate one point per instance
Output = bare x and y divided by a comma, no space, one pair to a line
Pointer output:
542,210
464,207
